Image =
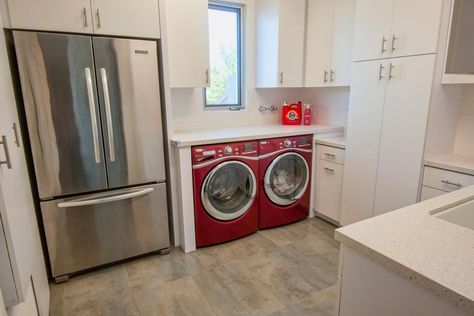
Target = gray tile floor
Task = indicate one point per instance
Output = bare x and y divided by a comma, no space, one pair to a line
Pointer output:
290,270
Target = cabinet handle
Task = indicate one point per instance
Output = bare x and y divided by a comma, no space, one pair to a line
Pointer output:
381,68
328,169
281,77
84,15
331,77
325,76
7,160
390,76
207,77
394,38
15,132
459,185
97,13
330,155
383,45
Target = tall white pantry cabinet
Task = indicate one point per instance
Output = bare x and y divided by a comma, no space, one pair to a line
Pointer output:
392,80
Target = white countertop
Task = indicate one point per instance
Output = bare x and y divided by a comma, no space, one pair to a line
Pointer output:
338,142
249,133
427,250
453,162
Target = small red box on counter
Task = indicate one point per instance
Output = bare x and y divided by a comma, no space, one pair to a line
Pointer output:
291,114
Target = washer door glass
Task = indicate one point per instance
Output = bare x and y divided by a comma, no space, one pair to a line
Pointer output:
228,190
286,179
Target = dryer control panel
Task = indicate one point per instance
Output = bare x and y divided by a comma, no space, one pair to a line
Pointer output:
271,145
205,153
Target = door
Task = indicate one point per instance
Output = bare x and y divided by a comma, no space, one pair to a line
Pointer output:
415,27
185,17
329,189
129,92
286,179
292,20
403,133
51,15
319,37
372,30
126,18
59,94
363,140
342,42
228,191
102,228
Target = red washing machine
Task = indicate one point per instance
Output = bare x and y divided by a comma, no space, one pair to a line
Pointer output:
285,174
225,191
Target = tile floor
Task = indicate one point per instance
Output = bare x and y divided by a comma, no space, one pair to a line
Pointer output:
289,270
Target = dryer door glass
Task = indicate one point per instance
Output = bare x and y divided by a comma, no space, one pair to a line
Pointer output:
286,179
228,190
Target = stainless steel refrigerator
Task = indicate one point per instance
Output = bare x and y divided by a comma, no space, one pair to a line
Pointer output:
94,121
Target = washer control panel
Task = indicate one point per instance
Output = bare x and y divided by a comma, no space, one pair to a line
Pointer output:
271,145
201,154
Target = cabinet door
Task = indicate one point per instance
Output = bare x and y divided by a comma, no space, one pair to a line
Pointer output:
415,27
319,39
403,133
429,193
342,42
126,18
188,42
372,29
363,140
329,189
292,15
51,15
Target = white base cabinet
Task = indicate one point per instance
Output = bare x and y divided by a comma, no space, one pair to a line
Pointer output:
437,182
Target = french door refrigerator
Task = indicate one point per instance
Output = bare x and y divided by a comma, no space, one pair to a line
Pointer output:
93,112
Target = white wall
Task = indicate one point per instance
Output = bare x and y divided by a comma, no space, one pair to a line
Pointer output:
464,144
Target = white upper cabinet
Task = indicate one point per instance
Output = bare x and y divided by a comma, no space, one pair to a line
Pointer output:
187,29
108,17
280,42
51,15
329,38
126,18
394,28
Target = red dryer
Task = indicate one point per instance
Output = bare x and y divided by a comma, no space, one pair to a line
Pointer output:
225,191
285,175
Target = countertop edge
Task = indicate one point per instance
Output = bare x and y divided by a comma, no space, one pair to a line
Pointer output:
329,142
440,290
449,167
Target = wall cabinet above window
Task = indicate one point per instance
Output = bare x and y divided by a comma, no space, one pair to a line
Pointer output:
108,17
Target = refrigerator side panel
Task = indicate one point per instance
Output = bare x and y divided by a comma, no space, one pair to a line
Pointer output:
129,93
59,92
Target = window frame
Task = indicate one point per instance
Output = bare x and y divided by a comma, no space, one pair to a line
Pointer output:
229,7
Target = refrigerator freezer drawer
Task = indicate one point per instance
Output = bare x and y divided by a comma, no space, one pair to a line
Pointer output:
97,229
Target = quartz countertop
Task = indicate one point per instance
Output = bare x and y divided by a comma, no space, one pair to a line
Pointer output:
249,133
453,162
338,142
433,253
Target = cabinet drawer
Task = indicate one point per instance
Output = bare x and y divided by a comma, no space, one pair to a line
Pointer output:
429,193
329,189
332,154
446,180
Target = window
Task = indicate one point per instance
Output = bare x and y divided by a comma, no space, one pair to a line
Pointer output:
225,57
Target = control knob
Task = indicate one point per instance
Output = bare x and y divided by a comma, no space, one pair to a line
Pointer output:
228,150
288,143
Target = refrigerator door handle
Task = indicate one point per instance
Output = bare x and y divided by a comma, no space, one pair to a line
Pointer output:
92,110
108,199
108,114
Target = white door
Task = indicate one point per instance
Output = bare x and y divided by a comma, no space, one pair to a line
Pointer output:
292,21
319,41
51,15
372,30
126,18
188,42
403,133
329,189
415,27
342,42
363,139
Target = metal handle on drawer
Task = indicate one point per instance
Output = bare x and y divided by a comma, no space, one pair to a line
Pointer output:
325,76
394,38
330,155
281,77
332,75
459,185
381,68
15,133
383,50
108,199
84,15
328,169
92,109
108,114
97,12
390,76
7,160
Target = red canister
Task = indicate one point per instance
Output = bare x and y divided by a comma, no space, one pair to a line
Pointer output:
291,114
